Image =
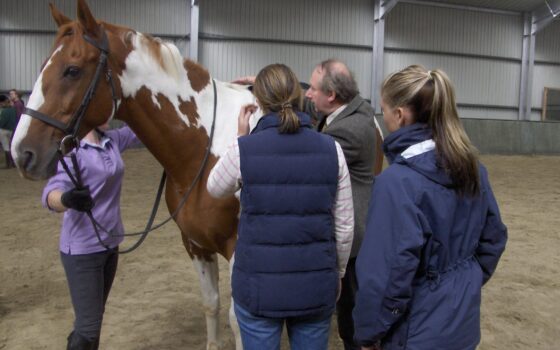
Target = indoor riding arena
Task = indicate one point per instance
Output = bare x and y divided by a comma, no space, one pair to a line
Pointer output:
503,57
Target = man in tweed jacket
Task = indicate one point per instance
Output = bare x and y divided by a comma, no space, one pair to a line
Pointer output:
349,119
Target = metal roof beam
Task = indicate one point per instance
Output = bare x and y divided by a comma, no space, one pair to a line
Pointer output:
544,15
386,7
462,7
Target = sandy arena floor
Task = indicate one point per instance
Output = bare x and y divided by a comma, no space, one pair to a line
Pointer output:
155,302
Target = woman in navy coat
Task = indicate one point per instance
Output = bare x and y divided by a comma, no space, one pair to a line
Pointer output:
434,233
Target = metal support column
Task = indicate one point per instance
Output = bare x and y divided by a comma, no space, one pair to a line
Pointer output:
527,63
532,24
381,9
193,42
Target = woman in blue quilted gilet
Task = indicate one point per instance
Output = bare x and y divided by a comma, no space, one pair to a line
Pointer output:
434,233
296,222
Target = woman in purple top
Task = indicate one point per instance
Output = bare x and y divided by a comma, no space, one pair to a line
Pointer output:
90,268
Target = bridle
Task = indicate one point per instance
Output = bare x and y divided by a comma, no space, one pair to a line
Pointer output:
71,141
70,130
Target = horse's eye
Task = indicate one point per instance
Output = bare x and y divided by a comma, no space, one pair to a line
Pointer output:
72,72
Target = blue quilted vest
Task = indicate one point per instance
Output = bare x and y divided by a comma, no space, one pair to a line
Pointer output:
285,258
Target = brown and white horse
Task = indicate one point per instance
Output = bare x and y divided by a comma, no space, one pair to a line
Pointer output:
168,102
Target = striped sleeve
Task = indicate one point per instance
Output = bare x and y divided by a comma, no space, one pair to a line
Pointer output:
343,212
225,177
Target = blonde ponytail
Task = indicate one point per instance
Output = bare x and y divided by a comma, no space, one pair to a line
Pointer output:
431,97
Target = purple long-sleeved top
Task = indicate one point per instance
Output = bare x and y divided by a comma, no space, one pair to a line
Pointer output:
102,170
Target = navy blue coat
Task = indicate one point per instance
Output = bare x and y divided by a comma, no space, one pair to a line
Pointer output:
285,257
426,253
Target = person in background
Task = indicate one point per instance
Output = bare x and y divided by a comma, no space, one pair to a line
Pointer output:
17,103
296,223
8,121
338,110
434,233
90,267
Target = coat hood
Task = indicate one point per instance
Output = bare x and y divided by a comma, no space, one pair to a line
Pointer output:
421,158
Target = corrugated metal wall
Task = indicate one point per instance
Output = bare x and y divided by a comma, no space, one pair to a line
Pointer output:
547,64
238,37
481,52
27,30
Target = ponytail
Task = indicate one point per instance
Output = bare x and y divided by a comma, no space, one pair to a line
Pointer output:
455,150
431,98
277,90
289,121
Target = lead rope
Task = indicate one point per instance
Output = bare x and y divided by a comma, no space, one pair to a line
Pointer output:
77,181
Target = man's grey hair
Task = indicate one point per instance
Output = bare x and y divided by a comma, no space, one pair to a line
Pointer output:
337,78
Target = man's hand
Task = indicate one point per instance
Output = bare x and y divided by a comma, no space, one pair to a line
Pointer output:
248,80
243,120
78,199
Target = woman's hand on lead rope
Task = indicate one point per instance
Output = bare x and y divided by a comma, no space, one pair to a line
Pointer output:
243,120
78,199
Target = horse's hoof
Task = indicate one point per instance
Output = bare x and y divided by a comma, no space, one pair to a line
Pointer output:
212,346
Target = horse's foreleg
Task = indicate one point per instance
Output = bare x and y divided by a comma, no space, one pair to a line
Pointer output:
232,318
207,269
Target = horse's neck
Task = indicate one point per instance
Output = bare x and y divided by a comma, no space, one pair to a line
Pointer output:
178,137
169,103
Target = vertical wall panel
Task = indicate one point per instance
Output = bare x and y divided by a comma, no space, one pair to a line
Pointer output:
162,17
421,27
511,5
470,77
460,42
547,45
23,51
21,56
33,14
319,21
227,60
325,21
544,76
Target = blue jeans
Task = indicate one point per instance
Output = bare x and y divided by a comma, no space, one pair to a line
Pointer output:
264,333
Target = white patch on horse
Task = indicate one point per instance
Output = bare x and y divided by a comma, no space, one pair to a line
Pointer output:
208,273
232,318
36,100
169,78
230,99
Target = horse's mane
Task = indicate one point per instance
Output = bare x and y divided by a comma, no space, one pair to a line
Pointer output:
165,53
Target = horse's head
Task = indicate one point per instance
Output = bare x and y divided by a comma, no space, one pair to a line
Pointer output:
66,102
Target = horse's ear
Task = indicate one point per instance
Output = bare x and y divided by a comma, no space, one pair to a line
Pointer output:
86,18
58,17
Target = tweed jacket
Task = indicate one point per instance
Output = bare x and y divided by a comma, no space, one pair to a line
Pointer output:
354,129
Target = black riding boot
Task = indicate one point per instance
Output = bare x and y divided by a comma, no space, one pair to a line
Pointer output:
9,160
77,342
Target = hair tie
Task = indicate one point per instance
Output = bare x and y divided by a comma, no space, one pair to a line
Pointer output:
286,105
430,74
